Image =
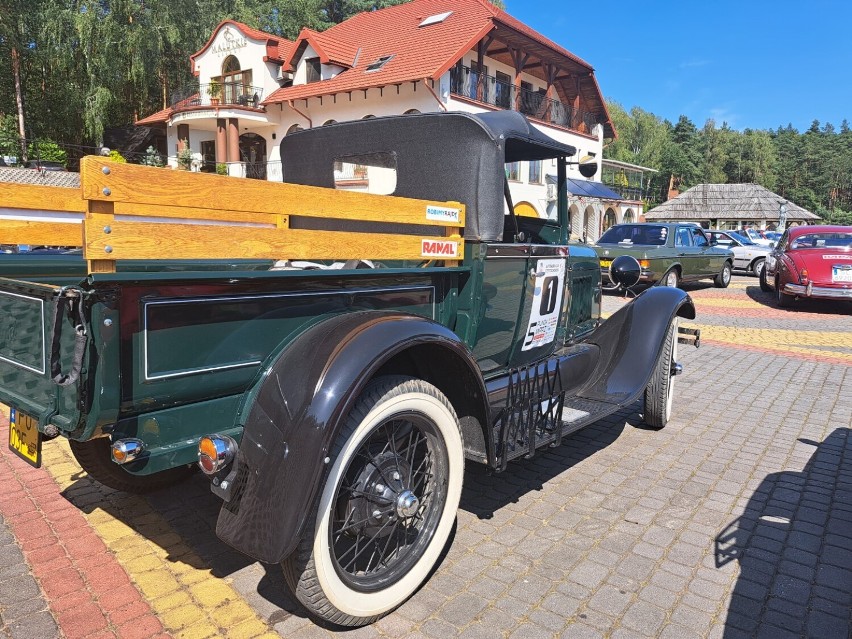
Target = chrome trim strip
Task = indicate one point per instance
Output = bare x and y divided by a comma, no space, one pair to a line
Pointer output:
819,291
14,362
211,300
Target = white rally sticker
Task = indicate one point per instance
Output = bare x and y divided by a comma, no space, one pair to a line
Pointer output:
442,214
547,302
439,248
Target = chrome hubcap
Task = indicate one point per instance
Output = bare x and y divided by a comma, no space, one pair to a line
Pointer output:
407,504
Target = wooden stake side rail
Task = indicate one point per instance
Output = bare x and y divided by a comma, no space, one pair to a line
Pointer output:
125,211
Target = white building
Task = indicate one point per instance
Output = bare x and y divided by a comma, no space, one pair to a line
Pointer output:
426,55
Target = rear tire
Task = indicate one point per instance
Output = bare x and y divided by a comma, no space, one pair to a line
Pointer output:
724,277
781,298
660,390
757,268
95,458
386,508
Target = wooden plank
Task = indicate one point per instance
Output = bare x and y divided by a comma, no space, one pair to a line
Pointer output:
190,194
41,198
41,233
98,224
140,240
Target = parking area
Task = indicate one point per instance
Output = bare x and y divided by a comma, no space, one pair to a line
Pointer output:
733,521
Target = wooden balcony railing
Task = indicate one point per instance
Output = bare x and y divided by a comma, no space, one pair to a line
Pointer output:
468,83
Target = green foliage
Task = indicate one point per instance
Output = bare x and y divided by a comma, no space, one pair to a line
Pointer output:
10,142
184,156
115,156
152,157
221,168
47,151
812,169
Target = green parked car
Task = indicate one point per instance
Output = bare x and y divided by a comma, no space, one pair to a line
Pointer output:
668,253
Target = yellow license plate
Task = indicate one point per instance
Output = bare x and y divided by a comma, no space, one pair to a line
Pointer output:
605,263
24,438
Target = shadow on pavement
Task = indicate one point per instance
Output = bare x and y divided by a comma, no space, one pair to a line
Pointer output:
794,545
485,492
826,307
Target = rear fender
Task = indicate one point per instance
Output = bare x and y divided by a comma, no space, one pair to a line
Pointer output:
294,413
631,341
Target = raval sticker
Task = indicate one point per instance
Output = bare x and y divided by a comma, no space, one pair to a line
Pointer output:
442,214
547,303
439,248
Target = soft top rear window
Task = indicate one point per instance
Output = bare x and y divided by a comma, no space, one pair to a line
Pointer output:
628,234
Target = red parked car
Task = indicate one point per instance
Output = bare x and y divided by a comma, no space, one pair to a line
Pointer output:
810,262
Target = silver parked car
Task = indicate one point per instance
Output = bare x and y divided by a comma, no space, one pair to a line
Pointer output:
748,256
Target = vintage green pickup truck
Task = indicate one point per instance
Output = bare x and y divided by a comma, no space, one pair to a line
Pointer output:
329,358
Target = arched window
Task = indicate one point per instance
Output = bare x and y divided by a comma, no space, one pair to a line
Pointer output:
628,216
327,122
609,219
411,112
294,128
236,83
368,117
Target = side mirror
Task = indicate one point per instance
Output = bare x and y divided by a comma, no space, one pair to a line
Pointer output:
772,245
713,241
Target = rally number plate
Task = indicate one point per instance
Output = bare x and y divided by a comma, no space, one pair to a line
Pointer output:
24,438
605,263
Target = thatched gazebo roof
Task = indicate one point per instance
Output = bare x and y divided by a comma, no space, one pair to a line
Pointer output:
750,202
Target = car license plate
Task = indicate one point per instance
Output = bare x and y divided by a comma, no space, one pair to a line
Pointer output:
841,273
24,438
605,263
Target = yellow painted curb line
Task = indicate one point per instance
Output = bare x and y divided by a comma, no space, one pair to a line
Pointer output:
190,602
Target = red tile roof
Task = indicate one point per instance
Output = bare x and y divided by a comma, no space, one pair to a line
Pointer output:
160,117
330,49
418,52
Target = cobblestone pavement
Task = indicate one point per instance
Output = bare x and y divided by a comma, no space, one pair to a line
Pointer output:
733,521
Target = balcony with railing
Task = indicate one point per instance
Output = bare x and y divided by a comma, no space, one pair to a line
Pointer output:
217,94
469,83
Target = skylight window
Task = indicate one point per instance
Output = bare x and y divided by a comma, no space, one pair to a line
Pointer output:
378,64
435,19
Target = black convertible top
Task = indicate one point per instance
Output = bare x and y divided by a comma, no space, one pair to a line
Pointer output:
438,156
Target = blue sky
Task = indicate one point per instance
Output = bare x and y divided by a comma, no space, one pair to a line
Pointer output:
753,63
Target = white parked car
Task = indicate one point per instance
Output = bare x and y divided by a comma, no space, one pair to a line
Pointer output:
757,237
748,256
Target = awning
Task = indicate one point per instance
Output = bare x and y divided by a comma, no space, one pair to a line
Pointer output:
588,188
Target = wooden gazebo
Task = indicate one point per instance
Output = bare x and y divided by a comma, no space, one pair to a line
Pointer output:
730,206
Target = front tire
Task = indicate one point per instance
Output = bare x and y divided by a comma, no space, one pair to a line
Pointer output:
757,268
724,277
670,279
386,507
95,458
660,390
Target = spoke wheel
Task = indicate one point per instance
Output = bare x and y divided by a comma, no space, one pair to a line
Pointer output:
386,508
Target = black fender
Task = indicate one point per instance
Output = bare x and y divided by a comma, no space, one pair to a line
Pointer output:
294,412
630,343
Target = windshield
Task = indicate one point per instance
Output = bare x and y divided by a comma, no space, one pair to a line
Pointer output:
647,234
823,240
741,238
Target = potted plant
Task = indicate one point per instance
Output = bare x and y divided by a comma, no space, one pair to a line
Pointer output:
221,168
184,157
214,90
